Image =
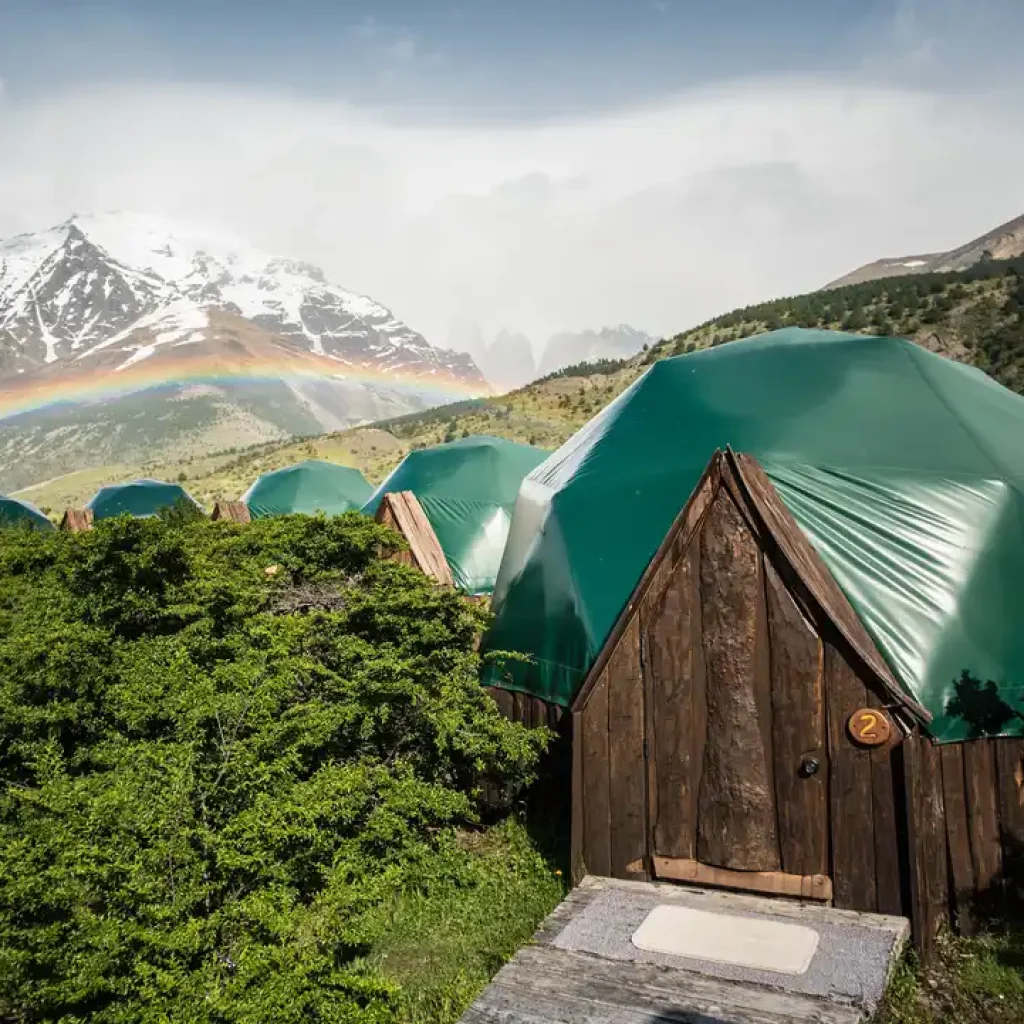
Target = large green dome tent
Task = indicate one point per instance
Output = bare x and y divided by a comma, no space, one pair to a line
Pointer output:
904,469
137,498
467,489
308,487
17,513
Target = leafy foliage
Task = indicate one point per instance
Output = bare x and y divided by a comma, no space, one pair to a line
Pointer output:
225,752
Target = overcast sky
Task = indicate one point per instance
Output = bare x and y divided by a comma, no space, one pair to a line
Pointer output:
531,165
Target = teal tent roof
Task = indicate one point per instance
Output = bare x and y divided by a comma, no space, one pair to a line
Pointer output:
904,469
467,489
15,512
308,487
137,498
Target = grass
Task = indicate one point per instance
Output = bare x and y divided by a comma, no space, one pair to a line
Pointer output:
972,981
443,946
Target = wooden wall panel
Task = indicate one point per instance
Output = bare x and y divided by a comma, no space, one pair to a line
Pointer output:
850,792
982,813
887,806
798,714
1010,773
958,838
627,785
926,828
736,803
668,668
597,832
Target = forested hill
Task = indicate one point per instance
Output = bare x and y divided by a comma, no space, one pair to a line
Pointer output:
974,316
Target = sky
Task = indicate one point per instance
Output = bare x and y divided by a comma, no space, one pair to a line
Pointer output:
535,166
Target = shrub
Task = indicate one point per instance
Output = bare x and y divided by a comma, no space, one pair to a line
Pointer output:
217,774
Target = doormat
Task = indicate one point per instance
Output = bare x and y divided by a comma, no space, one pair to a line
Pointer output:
758,943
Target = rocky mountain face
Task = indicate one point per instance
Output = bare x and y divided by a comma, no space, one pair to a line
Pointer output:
1002,243
106,308
508,361
567,349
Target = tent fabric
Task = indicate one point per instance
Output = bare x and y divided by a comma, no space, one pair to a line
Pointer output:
904,469
138,498
308,487
17,513
467,489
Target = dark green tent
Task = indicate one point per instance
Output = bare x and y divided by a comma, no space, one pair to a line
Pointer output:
308,487
904,469
15,512
467,489
137,498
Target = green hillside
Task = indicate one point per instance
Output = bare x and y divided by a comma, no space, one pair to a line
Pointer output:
973,316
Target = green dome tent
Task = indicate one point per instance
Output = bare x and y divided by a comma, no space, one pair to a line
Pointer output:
467,489
138,498
905,470
308,487
15,512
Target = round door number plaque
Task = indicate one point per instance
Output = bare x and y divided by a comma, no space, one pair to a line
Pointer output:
869,727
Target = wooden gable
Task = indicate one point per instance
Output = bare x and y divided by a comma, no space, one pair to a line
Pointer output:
402,512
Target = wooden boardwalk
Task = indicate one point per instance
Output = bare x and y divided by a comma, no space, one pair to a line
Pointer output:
546,983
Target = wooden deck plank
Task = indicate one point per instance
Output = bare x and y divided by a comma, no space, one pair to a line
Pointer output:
544,984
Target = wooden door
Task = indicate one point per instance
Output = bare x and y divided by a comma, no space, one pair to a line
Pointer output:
736,748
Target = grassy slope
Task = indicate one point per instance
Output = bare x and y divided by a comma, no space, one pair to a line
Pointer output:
973,317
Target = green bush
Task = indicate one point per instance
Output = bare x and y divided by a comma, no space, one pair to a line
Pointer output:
224,752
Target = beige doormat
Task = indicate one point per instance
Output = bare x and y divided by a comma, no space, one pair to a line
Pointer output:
753,942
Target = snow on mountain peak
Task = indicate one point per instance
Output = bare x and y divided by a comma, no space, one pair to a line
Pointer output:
97,279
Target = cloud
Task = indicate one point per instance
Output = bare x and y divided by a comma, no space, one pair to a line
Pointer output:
660,216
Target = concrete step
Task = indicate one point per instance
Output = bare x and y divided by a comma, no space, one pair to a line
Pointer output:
583,965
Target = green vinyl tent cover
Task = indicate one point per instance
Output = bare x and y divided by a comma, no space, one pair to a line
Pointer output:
904,469
17,513
467,489
308,487
138,498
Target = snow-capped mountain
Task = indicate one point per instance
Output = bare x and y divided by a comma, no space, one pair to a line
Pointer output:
156,338
96,280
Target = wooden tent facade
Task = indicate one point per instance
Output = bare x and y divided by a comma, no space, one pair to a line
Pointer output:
740,729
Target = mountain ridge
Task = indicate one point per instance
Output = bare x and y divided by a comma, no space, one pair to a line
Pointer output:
1003,242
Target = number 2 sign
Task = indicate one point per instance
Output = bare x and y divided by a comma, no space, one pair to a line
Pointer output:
869,727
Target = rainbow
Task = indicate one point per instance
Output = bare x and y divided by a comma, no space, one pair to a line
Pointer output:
59,388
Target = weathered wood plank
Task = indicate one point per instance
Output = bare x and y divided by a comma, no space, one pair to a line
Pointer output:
982,813
958,839
926,826
668,667
888,874
778,883
628,793
402,511
1010,774
597,833
503,698
545,984
736,805
850,791
518,706
798,715
577,864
